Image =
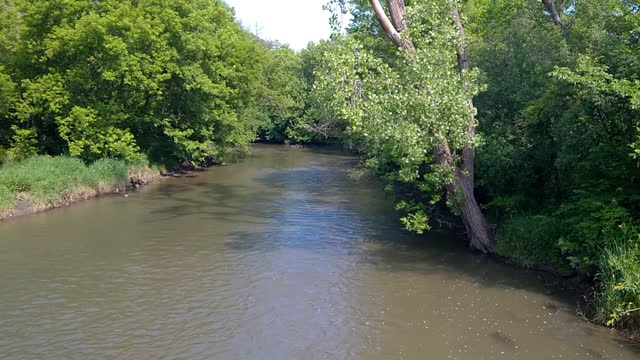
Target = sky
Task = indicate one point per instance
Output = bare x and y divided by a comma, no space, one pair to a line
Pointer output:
294,22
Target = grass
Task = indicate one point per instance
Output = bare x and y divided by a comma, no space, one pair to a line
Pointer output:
6,199
618,295
530,240
46,180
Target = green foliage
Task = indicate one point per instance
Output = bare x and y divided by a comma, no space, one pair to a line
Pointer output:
558,147
398,110
44,179
174,80
531,240
7,198
7,93
416,218
618,297
319,123
592,226
87,138
23,143
106,172
560,117
284,94
400,105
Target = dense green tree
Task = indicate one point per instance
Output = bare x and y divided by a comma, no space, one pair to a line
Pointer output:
558,143
284,92
411,104
319,123
171,79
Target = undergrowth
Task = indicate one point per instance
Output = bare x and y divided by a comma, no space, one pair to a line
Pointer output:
618,294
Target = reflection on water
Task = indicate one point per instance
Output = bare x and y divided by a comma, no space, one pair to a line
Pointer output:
280,256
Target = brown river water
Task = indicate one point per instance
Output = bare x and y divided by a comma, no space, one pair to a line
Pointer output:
279,256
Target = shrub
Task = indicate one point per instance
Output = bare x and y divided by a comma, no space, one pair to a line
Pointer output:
531,240
24,143
592,225
618,298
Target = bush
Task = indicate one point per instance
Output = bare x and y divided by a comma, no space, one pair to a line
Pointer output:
530,240
618,298
592,225
24,143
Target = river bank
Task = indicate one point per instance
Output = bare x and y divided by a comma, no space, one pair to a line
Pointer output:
584,289
43,183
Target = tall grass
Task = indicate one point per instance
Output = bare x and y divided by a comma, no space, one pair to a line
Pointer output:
43,180
6,199
618,298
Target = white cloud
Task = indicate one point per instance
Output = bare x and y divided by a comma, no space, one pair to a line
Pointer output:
294,22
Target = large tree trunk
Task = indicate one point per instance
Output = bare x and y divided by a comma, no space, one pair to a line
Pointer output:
460,191
461,194
478,231
396,8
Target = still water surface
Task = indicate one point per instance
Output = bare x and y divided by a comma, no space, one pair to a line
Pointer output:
280,256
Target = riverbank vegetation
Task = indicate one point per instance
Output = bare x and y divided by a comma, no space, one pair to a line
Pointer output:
535,101
519,121
41,182
112,86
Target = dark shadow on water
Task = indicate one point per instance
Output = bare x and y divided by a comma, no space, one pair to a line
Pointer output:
219,202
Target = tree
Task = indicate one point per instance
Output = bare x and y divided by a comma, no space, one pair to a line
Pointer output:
283,93
431,68
176,81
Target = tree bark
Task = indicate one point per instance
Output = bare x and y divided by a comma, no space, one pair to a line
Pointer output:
461,194
550,6
388,26
478,231
461,190
396,8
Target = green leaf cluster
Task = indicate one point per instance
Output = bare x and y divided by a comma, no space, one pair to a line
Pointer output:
170,79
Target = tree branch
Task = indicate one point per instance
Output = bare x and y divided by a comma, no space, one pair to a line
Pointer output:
396,7
388,27
468,152
551,8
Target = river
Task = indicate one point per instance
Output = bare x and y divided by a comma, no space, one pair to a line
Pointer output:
279,256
